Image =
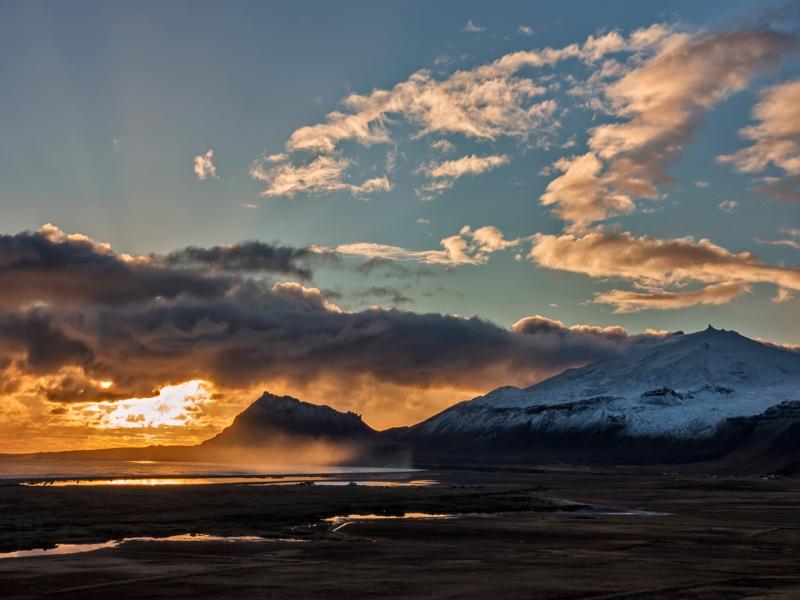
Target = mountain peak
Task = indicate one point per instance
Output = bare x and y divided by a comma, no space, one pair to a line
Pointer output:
270,401
678,386
713,330
273,415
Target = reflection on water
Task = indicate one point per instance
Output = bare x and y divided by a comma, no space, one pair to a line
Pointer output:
379,482
38,472
617,512
187,537
342,521
288,480
33,467
59,549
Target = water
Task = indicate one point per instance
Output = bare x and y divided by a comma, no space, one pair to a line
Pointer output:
347,480
35,468
60,549
342,521
38,472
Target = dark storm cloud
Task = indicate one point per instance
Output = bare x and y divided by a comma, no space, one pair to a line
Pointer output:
250,257
49,266
46,266
46,346
145,324
294,337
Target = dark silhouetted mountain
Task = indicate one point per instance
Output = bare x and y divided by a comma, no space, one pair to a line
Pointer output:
280,416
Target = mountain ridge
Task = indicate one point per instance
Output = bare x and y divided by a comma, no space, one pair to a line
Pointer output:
708,395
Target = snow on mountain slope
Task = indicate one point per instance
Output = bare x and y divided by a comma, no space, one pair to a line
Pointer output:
682,387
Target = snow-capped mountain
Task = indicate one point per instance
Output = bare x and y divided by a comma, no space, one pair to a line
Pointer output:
681,387
697,395
708,395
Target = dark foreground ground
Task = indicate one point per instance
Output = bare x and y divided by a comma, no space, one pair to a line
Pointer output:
724,538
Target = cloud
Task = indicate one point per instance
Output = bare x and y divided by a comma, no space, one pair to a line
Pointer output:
470,27
629,302
785,190
581,195
487,102
443,146
204,166
322,175
390,268
776,142
469,247
776,136
49,266
728,206
660,105
525,30
790,243
482,104
656,264
249,332
466,165
444,174
246,257
391,295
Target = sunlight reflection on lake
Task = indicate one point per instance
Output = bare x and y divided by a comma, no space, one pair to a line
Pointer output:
59,473
35,467
342,521
159,481
61,549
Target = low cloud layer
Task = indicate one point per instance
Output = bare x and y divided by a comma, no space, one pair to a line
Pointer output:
90,325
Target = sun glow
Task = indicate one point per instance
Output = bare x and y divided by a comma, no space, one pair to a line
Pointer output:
175,406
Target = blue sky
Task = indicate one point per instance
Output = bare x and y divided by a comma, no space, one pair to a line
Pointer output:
105,106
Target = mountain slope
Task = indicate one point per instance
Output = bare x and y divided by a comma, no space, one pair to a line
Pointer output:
272,417
711,395
683,398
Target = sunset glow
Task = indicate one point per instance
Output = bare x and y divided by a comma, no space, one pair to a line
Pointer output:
175,405
476,299
385,226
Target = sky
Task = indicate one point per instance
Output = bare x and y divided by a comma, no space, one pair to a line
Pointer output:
384,207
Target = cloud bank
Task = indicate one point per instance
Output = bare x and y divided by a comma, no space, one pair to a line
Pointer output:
85,324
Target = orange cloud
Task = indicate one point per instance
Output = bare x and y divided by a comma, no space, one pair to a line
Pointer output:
469,247
776,136
628,302
661,104
655,264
